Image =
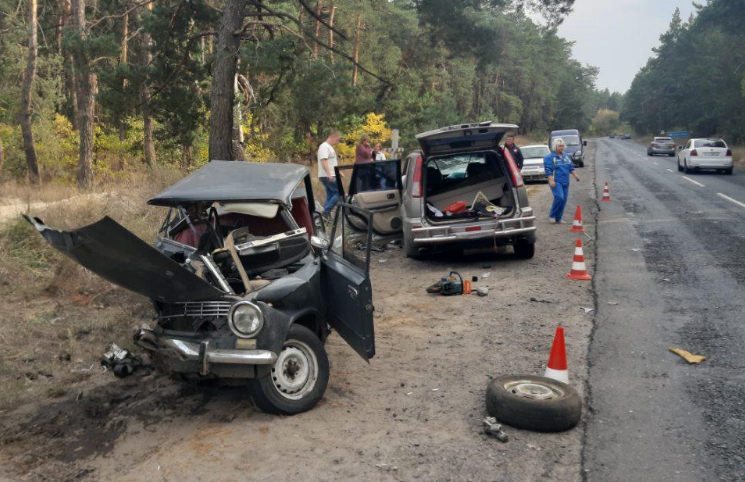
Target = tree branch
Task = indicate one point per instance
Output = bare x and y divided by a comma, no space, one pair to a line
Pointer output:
312,13
120,15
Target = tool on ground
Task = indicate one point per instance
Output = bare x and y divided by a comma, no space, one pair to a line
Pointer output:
467,287
688,356
448,285
606,193
579,270
491,427
577,223
556,368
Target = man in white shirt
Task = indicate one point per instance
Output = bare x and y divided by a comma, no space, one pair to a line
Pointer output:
378,154
326,163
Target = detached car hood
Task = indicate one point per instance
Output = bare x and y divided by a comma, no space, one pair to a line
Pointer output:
115,254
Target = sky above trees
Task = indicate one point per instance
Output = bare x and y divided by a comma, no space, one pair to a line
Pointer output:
617,36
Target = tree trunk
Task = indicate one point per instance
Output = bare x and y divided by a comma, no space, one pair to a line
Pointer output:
148,144
70,78
331,32
357,48
27,92
223,77
123,60
2,155
318,29
85,90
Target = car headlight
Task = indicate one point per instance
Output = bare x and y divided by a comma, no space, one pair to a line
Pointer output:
578,154
245,319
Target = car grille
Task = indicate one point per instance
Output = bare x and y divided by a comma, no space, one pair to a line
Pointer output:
203,308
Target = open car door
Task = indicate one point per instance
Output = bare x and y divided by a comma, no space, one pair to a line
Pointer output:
375,187
345,280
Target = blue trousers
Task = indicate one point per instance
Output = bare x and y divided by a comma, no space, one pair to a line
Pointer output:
332,194
561,195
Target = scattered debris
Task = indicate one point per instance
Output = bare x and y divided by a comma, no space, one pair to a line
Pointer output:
486,275
536,300
491,427
381,261
474,279
635,249
587,310
613,303
688,356
482,291
665,279
121,361
448,285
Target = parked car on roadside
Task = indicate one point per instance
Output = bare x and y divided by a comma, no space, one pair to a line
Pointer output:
533,155
460,191
661,145
699,154
574,143
626,136
244,282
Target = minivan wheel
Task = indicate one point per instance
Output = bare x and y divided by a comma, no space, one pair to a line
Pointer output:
409,250
297,380
524,250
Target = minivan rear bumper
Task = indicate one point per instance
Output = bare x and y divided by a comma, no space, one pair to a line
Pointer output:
458,232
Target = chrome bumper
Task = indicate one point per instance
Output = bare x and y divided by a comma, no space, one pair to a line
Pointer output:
458,232
202,352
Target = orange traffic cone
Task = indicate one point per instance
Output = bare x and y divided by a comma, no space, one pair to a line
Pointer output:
579,271
606,192
577,224
557,360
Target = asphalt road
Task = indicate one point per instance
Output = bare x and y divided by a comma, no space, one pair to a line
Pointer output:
670,273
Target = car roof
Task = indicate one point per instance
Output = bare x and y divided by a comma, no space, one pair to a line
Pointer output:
235,181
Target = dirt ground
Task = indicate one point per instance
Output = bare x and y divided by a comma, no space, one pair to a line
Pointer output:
413,413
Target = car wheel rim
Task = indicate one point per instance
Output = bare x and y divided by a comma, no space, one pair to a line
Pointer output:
296,370
533,390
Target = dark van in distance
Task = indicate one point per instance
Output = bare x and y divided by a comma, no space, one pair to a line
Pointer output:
573,140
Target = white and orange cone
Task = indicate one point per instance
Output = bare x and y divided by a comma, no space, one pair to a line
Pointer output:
577,223
557,368
579,270
606,193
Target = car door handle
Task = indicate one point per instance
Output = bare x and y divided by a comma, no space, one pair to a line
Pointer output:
352,292
391,196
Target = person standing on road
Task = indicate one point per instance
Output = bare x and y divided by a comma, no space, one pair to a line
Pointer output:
517,154
378,154
363,154
327,161
558,168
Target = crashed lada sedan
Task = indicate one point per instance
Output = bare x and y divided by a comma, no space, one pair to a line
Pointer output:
245,283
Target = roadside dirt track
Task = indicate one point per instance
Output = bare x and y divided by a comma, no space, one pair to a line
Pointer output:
413,413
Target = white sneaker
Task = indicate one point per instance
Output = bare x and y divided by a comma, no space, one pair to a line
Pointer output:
551,221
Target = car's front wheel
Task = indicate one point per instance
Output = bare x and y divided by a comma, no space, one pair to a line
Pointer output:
680,168
297,380
524,250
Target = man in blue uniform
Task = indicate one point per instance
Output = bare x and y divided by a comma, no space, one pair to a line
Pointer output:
558,168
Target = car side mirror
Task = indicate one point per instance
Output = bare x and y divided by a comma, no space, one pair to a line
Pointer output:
584,143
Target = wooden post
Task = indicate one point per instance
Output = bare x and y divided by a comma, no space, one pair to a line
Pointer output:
357,49
331,32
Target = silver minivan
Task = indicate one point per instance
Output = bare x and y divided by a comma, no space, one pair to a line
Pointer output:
465,164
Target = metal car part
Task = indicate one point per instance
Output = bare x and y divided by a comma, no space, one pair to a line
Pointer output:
216,274
231,320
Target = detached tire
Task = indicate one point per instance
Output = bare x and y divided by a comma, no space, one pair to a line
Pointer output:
533,403
297,380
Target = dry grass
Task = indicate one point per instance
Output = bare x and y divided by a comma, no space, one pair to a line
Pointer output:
738,156
58,317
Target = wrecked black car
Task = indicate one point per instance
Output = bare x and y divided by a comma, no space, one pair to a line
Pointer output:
244,280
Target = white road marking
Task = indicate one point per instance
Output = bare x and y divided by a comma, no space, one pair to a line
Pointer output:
670,170
694,182
655,163
731,200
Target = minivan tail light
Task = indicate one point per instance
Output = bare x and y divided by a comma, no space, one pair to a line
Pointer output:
517,178
416,187
694,153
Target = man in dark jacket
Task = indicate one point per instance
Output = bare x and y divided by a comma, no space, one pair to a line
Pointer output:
517,155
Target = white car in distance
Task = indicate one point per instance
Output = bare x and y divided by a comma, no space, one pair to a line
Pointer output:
699,154
533,162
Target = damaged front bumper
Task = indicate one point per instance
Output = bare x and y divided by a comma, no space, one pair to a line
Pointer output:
185,354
